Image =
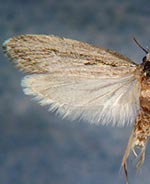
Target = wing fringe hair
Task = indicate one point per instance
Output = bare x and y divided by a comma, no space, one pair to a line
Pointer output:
113,101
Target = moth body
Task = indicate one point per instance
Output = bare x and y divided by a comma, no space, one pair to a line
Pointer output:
84,82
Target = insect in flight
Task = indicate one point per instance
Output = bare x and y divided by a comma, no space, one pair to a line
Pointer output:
81,81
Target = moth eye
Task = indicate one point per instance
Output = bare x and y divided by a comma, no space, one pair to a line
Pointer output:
147,75
147,66
144,59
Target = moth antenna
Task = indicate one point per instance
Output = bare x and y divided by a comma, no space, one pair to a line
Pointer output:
146,51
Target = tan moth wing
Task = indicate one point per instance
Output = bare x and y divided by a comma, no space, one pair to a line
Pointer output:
77,80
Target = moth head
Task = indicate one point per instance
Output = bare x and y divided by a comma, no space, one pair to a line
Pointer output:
146,65
146,60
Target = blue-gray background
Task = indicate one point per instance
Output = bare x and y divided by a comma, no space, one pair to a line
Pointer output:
36,147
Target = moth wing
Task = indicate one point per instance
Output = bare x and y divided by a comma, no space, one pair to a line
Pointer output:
101,101
49,54
77,80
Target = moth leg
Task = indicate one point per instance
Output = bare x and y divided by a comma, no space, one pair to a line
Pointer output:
138,139
142,156
129,147
134,152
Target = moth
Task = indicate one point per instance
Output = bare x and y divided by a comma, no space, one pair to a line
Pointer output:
81,81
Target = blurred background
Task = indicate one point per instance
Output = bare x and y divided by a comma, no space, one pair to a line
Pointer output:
37,147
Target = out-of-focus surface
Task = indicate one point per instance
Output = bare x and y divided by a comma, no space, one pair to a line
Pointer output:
36,147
